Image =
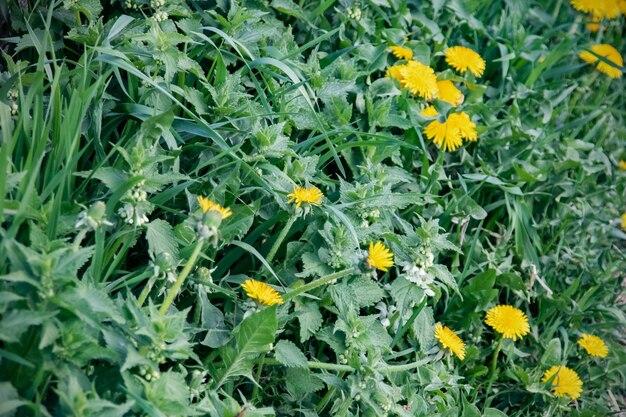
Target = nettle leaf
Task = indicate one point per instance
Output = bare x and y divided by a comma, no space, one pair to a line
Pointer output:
441,272
366,291
253,336
424,328
169,393
288,7
16,322
310,320
313,266
213,320
406,294
113,178
301,382
160,237
287,353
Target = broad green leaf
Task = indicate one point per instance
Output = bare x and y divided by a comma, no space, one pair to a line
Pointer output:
287,353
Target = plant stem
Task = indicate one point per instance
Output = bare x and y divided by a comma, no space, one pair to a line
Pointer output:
344,368
181,278
312,365
494,362
146,290
318,282
280,238
78,239
259,371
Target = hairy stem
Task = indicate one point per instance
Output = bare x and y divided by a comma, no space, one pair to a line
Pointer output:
181,278
280,238
318,282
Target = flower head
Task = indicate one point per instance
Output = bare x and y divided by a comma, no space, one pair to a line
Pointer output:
401,52
511,322
450,340
623,224
429,111
261,292
379,256
622,165
395,72
311,195
593,27
449,135
566,382
593,345
608,9
462,59
419,79
610,54
449,93
207,205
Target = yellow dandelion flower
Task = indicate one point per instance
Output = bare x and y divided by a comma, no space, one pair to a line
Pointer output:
443,135
311,195
207,205
608,9
401,52
429,111
261,292
395,72
462,59
593,345
622,6
623,224
566,382
419,79
593,27
622,164
465,125
449,135
610,54
511,322
450,340
379,256
449,93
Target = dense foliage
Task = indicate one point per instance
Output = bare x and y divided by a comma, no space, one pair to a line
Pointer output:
241,208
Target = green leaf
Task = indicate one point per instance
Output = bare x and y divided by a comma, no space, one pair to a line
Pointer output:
253,336
287,353
552,353
424,328
160,237
310,320
299,382
213,320
493,412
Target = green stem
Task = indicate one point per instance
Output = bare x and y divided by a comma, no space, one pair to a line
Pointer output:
318,282
78,239
494,362
146,290
345,368
259,371
280,238
181,278
312,365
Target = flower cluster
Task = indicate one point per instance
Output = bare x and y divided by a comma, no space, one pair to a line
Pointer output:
419,79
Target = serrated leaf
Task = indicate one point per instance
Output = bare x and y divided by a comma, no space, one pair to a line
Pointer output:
299,382
287,353
424,328
160,237
310,320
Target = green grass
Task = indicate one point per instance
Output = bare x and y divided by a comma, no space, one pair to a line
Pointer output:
108,115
